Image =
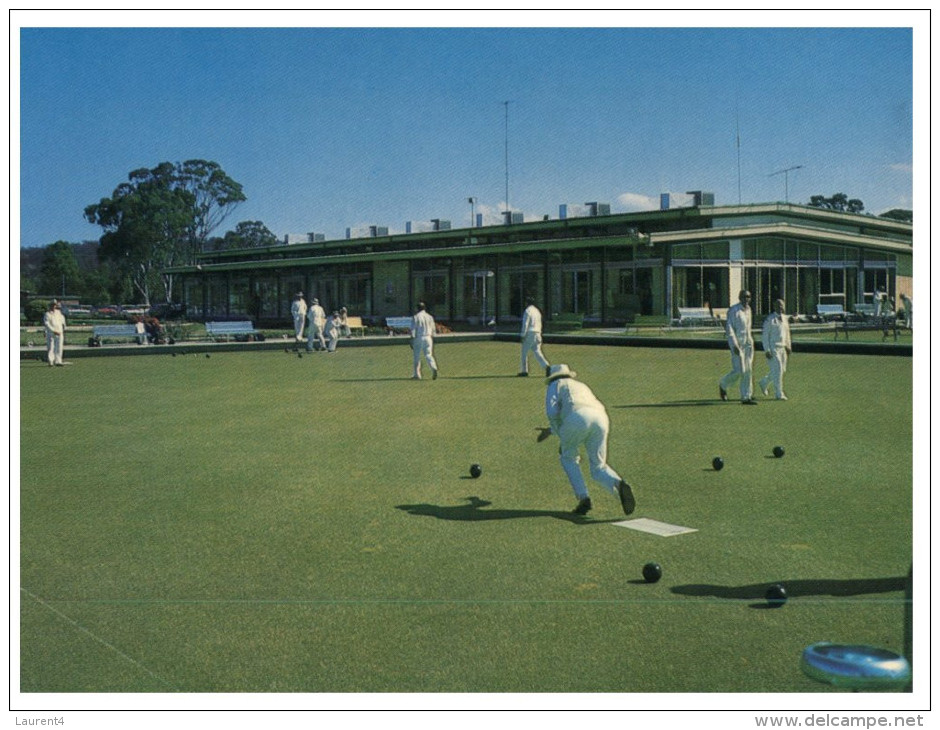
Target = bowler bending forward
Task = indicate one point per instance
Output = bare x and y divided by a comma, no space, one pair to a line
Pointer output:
578,418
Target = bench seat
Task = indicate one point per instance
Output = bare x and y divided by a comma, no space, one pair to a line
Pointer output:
244,330
689,316
355,325
117,332
393,324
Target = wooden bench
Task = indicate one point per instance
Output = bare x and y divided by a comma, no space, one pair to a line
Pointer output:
830,312
396,324
243,331
116,332
888,324
696,316
355,325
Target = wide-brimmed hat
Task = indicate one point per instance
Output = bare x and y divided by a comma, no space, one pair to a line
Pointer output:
560,371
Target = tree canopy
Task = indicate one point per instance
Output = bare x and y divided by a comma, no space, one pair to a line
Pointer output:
899,214
247,234
839,201
162,217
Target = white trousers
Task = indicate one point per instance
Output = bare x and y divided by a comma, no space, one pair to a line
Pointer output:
55,345
588,427
299,327
742,369
778,366
532,342
315,332
423,346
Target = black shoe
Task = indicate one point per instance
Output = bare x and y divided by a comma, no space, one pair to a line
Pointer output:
749,402
522,375
434,375
584,506
548,370
723,393
627,500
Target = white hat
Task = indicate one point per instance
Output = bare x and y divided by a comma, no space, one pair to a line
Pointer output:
560,371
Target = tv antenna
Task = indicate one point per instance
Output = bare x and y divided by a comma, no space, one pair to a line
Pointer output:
786,180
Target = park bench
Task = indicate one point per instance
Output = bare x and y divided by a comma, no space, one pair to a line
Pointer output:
394,324
696,316
115,332
243,331
355,325
888,324
830,312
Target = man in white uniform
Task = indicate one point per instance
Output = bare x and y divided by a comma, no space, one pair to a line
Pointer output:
422,341
775,337
316,321
908,311
531,338
741,342
332,332
298,310
54,323
578,418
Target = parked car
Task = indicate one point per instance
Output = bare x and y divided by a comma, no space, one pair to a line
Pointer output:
108,310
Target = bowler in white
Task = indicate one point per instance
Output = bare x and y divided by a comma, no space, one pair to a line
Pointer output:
532,338
741,343
579,419
775,338
422,341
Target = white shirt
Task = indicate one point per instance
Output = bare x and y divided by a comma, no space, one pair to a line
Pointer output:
531,320
566,395
298,308
738,327
317,315
54,322
422,325
776,332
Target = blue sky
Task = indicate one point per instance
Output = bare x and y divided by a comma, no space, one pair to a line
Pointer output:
329,128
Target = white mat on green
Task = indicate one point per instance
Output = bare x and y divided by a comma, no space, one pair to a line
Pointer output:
664,529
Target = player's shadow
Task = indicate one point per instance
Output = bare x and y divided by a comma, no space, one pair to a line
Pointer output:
473,512
797,588
678,404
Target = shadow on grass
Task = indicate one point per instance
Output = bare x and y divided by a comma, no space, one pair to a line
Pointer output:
797,588
474,512
678,404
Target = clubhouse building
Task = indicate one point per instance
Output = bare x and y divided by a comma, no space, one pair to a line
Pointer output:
610,269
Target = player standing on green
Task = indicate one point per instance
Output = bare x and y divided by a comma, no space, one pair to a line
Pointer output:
578,418
422,341
741,342
775,337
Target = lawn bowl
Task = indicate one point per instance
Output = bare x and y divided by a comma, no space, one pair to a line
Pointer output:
855,666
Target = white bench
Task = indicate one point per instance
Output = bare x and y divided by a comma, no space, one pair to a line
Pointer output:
116,332
398,323
829,312
696,316
244,330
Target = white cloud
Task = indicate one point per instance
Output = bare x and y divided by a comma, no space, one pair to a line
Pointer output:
633,202
906,167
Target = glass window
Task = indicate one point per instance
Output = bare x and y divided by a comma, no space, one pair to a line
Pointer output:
715,251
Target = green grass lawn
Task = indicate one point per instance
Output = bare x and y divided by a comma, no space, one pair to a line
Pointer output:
262,522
